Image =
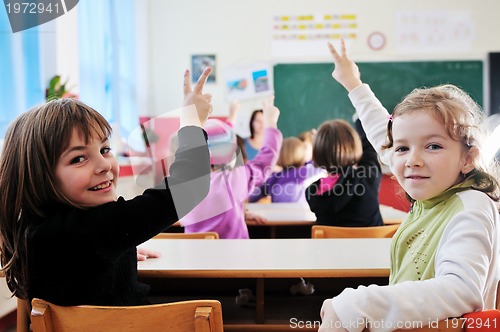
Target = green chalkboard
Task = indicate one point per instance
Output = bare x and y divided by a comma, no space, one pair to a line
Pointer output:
307,94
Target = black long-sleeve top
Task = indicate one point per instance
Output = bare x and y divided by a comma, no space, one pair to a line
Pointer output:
88,256
353,201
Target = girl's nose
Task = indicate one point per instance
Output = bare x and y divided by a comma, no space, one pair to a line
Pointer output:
414,160
103,165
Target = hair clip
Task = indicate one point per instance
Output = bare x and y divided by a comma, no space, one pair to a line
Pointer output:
390,118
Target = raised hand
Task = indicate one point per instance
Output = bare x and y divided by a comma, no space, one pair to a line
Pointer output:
195,96
234,109
271,113
346,71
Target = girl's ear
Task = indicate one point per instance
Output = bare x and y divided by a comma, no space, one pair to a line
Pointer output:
470,157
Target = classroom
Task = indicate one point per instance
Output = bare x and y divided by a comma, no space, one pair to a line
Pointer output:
127,58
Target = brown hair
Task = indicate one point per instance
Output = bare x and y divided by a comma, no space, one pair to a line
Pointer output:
32,147
462,118
252,118
336,145
292,153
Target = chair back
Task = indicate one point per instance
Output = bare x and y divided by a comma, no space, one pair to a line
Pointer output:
23,315
201,235
195,315
325,232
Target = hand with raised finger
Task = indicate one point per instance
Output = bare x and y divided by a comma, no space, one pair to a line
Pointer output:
271,113
346,71
195,96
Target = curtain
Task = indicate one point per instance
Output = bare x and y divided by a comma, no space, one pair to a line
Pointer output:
107,62
21,86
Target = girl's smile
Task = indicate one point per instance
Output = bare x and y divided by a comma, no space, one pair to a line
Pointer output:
426,160
86,173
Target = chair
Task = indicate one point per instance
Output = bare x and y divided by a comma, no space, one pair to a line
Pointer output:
195,315
201,235
23,315
393,221
324,232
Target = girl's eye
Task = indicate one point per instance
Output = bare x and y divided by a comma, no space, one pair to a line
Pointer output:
105,150
434,147
401,149
77,160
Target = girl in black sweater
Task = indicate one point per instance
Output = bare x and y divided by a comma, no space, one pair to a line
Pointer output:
348,196
65,236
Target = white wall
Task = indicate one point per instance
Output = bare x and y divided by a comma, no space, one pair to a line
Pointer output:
238,32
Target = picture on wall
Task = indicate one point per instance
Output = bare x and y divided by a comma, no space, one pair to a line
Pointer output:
248,81
199,62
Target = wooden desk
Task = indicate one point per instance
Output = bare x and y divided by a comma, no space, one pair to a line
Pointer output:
282,214
267,258
294,215
289,216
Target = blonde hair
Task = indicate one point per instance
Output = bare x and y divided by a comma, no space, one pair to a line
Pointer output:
292,153
336,145
307,136
463,120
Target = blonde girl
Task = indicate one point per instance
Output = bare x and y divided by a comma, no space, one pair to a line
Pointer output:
444,257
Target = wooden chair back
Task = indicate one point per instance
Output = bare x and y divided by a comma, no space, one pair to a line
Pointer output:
332,232
195,315
393,221
23,320
201,235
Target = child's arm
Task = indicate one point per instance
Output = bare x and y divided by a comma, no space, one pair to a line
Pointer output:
466,275
259,192
234,109
372,114
125,223
369,157
189,179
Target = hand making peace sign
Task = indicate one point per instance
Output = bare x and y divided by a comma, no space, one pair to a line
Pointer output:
346,71
194,96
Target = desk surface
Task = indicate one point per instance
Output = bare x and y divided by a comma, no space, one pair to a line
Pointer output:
295,214
267,258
